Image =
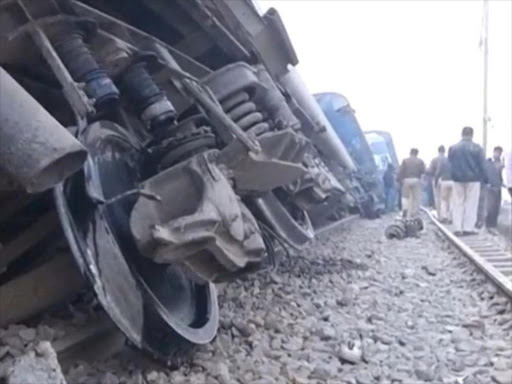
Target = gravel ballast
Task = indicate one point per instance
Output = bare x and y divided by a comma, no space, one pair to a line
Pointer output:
353,308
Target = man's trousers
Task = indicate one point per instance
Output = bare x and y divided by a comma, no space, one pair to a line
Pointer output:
465,206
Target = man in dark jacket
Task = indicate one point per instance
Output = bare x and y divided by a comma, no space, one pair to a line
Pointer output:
390,187
494,172
443,178
467,160
434,179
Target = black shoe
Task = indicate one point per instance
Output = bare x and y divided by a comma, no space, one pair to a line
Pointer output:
469,233
458,233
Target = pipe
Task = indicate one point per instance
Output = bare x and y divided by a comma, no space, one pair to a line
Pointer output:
325,138
35,150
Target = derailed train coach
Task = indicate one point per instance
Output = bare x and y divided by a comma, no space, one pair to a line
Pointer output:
366,181
177,144
383,149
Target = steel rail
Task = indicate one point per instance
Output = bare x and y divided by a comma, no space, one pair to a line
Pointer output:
336,224
494,262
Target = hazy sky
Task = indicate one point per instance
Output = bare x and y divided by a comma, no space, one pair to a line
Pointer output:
413,68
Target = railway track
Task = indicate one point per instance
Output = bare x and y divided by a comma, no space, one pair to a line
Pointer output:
484,252
335,224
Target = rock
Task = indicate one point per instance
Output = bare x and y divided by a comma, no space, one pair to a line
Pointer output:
221,373
27,334
109,378
3,351
470,380
384,339
424,374
14,342
350,355
245,329
474,323
399,377
36,366
323,372
295,379
45,333
481,371
275,278
364,378
272,323
498,345
467,346
345,300
138,379
502,377
326,333
458,365
293,344
276,343
502,364
152,376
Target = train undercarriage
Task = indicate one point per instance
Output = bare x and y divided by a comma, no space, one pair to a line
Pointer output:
173,141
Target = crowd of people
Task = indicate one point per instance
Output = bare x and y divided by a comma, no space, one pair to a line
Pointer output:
463,186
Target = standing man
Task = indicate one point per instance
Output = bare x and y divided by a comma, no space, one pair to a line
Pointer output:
494,172
432,169
443,175
389,187
409,177
467,160
508,172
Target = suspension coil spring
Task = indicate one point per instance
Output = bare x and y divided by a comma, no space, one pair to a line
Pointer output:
150,101
83,68
244,112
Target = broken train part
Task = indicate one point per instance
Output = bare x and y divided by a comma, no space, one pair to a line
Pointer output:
404,228
184,161
200,159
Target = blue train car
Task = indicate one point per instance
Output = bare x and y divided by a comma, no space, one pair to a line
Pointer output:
342,117
383,149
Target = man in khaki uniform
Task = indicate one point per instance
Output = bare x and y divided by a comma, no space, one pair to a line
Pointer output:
409,177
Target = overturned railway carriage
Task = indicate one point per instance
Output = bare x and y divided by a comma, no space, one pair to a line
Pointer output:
197,148
368,190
